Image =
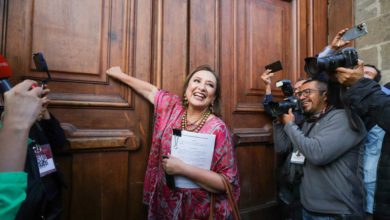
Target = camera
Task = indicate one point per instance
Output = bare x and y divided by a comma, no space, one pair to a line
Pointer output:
290,101
347,57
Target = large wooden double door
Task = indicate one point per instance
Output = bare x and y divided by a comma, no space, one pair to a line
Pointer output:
109,126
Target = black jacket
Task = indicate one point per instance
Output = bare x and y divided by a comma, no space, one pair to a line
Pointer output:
43,193
373,106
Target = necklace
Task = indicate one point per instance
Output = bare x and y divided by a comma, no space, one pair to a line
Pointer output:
202,121
196,121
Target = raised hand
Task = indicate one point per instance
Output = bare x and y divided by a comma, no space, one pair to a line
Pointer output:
348,77
115,72
22,105
338,42
266,76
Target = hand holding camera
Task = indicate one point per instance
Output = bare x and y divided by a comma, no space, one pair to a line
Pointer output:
287,117
348,77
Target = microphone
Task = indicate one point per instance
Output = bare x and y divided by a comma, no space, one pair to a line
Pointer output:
5,73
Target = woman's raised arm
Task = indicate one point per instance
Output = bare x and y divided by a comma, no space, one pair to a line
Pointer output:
146,89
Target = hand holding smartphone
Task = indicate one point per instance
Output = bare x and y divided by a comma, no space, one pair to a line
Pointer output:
355,32
275,66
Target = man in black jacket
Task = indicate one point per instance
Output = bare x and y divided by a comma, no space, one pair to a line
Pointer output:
365,97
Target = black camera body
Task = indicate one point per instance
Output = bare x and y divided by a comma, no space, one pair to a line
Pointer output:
348,57
290,101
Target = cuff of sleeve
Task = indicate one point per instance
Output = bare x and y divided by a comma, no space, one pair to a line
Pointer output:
268,98
288,126
326,52
16,177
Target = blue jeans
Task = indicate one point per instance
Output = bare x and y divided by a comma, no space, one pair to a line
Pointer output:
308,216
372,152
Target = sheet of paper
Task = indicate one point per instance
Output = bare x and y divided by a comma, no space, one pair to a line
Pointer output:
195,149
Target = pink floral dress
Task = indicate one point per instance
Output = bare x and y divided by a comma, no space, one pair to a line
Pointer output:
165,203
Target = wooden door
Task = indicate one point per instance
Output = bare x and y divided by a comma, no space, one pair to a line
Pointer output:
109,126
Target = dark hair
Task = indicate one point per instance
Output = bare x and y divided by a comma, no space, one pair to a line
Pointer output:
334,92
301,79
378,75
208,68
321,85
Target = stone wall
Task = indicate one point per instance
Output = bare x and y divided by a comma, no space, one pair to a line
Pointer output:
374,48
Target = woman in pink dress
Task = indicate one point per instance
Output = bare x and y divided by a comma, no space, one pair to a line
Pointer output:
193,112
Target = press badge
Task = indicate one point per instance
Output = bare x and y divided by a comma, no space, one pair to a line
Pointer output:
297,158
45,159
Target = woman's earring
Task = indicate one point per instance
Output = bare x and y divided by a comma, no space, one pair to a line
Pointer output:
211,107
185,101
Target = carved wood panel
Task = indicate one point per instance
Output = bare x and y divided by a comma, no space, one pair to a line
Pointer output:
264,36
78,48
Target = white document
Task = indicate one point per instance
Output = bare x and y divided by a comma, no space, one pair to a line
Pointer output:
195,149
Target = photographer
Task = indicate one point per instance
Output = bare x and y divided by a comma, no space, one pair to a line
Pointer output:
368,100
329,150
289,175
22,107
375,134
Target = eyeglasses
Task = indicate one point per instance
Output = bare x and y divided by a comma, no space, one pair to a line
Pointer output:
307,92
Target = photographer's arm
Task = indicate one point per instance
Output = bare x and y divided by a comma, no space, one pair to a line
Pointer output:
348,77
367,99
266,78
336,44
365,95
146,89
325,145
22,107
282,142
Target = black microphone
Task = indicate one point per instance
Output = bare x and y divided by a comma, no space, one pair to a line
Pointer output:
5,73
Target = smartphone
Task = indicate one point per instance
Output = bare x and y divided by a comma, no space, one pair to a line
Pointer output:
274,67
41,65
355,32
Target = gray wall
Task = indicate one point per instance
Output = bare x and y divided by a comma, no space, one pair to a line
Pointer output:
374,48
